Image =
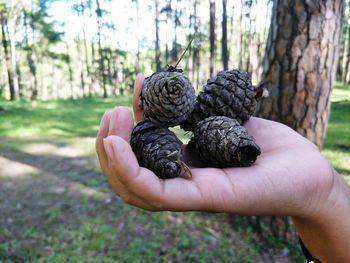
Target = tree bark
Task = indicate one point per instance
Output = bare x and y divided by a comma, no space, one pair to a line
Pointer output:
5,44
224,35
300,64
156,5
212,37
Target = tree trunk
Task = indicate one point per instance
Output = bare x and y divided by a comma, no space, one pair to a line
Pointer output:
11,35
156,4
300,64
345,64
224,35
137,67
176,23
241,36
248,38
10,72
86,53
70,70
100,51
212,37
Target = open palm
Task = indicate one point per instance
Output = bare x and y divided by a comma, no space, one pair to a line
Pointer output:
289,172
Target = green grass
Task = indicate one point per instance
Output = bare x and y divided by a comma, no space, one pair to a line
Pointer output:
63,210
337,144
63,118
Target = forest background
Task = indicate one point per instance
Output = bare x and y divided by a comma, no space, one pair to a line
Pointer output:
63,63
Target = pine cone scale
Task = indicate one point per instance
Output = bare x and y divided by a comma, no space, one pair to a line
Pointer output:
223,142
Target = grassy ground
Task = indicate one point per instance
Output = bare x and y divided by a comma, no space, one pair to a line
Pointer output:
55,205
337,144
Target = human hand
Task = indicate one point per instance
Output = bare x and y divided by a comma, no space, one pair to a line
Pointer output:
289,178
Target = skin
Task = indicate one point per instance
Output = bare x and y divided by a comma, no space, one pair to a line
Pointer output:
290,177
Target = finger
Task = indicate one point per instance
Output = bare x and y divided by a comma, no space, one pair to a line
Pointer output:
121,123
176,194
102,156
111,172
108,171
135,101
102,133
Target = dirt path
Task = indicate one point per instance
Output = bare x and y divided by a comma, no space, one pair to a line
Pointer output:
55,204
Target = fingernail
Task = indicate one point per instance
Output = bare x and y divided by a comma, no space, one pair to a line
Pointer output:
109,149
114,119
104,118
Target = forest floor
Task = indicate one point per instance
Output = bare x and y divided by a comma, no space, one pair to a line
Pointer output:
55,205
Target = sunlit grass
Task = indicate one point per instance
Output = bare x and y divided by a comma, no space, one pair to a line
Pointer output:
341,92
337,144
64,118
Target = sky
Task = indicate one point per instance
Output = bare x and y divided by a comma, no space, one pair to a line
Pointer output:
124,16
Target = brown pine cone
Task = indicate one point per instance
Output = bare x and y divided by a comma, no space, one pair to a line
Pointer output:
230,93
167,97
158,149
223,142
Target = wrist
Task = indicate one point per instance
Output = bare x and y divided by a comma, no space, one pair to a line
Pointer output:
325,231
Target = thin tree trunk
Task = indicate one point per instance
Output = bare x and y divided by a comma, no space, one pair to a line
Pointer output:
86,53
241,37
248,37
115,73
174,48
195,33
100,51
13,53
31,59
81,68
70,71
212,37
157,53
10,72
224,35
300,65
345,64
20,84
138,68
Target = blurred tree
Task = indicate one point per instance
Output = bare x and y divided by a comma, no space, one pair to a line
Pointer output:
39,36
6,47
345,46
248,34
99,14
137,6
212,36
176,22
157,48
240,65
224,52
300,64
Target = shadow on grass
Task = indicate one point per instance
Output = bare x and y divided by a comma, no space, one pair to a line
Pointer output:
75,169
66,212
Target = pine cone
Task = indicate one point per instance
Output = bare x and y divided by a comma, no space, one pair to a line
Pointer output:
230,93
167,97
223,142
158,149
